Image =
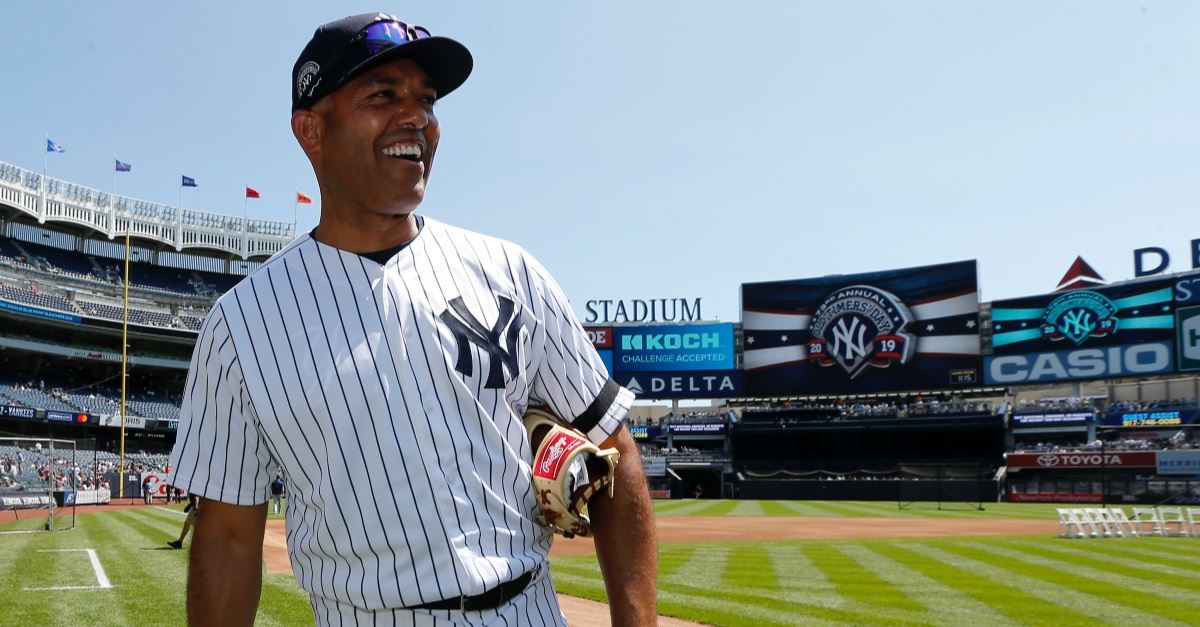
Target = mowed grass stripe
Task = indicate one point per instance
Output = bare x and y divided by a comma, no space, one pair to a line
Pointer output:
802,508
1103,558
1048,590
703,569
746,508
750,567
1116,588
691,508
948,604
1141,549
856,583
1096,569
799,577
669,561
1015,603
701,606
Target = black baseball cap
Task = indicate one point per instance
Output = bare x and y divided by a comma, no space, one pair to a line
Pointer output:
345,48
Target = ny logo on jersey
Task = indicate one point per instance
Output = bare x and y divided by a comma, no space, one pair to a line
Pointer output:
468,330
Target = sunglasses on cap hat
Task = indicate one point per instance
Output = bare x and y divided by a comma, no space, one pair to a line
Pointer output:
357,43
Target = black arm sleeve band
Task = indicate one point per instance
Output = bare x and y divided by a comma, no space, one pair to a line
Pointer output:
599,407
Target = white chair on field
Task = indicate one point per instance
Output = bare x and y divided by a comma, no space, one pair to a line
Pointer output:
1108,519
1147,522
1087,526
1064,523
1122,521
1193,522
1172,521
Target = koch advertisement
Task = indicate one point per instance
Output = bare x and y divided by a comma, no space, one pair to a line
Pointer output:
673,348
1122,330
1188,340
903,329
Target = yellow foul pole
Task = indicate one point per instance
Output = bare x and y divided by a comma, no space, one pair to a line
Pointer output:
124,367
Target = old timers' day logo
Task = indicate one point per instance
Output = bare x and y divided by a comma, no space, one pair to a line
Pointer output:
304,78
860,326
1079,315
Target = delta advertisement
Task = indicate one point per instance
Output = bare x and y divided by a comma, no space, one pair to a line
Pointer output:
907,329
686,361
1119,330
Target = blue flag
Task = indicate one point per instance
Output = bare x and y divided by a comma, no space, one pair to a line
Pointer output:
122,166
188,182
53,147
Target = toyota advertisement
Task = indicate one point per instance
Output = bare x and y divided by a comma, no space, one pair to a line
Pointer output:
908,329
1122,330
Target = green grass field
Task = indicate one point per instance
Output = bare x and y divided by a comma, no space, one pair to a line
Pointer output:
999,580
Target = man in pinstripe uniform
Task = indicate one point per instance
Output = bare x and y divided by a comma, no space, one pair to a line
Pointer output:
384,362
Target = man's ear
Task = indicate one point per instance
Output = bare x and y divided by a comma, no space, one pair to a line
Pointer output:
306,126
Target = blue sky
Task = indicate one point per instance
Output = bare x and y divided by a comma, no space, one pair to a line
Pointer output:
663,149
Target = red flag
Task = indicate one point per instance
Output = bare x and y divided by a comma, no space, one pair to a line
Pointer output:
252,193
302,199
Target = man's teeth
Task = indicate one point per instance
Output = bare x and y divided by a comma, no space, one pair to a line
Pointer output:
405,150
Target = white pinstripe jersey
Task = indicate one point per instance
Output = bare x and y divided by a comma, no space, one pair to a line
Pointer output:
392,397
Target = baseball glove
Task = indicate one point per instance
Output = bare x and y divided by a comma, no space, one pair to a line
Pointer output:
567,471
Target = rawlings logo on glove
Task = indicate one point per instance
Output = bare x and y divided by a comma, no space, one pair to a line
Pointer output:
567,471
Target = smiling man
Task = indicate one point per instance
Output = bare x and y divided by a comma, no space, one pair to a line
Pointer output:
384,362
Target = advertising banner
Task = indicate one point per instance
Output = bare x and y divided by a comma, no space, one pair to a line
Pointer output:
906,329
1187,321
24,502
654,466
695,428
1088,459
1187,289
13,411
1114,331
1071,419
602,340
669,385
1056,497
114,420
67,416
673,348
1179,463
1157,418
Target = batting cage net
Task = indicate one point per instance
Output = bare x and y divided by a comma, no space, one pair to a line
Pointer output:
946,486
39,479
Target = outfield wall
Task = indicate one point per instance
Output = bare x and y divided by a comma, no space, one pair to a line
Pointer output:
884,490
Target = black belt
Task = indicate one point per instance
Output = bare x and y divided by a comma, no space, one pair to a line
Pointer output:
489,600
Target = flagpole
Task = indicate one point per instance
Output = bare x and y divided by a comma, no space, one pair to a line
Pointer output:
245,219
45,164
295,210
181,190
124,364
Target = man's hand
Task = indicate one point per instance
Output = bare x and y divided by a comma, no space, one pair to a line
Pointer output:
225,573
626,539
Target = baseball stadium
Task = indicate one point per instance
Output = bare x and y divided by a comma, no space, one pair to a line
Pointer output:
875,448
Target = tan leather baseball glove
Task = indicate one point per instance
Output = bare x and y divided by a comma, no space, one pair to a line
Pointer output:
567,471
